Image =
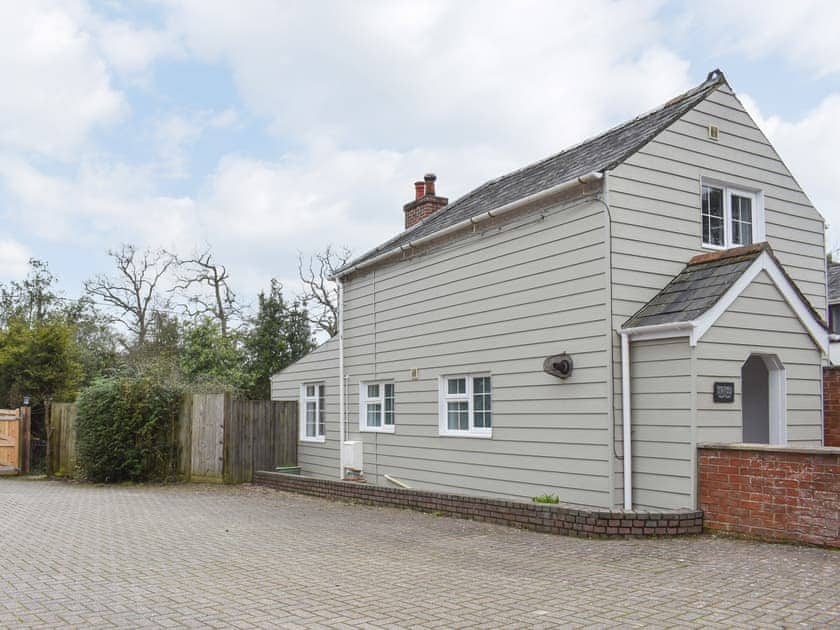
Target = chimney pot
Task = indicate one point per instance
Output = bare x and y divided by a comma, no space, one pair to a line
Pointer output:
425,202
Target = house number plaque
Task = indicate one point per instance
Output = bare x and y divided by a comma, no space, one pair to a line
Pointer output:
724,392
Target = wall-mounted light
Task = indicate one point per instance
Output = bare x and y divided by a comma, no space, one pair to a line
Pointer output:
26,401
559,365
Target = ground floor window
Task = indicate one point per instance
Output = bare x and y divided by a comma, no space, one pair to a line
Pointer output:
466,405
377,407
312,418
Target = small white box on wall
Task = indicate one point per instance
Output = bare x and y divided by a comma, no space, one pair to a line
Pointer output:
353,450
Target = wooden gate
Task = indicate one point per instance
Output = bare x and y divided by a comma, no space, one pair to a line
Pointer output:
10,441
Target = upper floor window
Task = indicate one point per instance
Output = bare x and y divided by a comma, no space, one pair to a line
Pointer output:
312,418
466,406
376,407
730,217
834,319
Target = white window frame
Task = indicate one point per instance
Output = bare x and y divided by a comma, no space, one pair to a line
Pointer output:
757,197
320,417
445,397
364,400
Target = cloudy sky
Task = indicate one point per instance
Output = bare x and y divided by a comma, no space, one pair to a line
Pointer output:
265,128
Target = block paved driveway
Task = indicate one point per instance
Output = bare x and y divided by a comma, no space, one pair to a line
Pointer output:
204,556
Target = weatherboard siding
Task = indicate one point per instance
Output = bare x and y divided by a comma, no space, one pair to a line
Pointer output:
759,321
662,424
654,199
655,203
319,366
496,301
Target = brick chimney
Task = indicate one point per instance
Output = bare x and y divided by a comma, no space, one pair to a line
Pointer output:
425,203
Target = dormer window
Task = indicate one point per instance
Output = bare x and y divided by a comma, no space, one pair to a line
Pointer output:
730,217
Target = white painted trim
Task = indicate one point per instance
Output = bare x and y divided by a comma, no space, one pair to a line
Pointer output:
444,397
667,330
302,437
466,223
777,389
792,297
758,215
703,323
698,327
626,417
341,383
363,402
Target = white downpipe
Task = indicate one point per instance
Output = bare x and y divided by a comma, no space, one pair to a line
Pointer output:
625,421
514,205
340,379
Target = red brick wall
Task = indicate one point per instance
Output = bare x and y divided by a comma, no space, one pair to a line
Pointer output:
831,401
772,492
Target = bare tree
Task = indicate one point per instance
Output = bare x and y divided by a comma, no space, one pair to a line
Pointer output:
202,271
134,292
320,294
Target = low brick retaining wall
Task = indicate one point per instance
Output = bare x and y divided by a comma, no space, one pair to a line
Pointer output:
771,492
541,517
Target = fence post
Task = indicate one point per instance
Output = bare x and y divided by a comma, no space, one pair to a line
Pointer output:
25,437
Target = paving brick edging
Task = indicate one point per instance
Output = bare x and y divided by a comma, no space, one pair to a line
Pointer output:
541,517
771,492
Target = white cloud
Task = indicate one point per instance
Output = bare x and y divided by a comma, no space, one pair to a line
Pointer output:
529,77
803,32
809,148
14,259
102,204
176,134
56,88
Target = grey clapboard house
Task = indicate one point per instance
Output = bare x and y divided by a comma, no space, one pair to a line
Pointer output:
673,259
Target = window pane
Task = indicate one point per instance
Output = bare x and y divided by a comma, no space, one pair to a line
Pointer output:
457,386
322,426
373,391
310,390
834,318
389,403
712,216
311,418
481,402
458,416
374,415
741,220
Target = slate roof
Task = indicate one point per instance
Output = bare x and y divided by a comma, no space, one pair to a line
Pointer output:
598,154
834,282
698,287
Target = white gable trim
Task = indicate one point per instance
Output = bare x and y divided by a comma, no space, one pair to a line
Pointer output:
696,328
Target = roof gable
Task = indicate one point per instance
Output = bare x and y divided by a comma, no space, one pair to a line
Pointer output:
597,154
708,285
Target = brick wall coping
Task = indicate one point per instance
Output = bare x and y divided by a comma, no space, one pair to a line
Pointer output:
545,517
773,448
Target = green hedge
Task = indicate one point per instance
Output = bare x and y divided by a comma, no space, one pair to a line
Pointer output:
127,430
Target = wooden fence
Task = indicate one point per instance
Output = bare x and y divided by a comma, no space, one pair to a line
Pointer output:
61,440
15,440
220,438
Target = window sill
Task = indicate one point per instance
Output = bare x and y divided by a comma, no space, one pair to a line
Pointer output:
386,429
466,434
317,440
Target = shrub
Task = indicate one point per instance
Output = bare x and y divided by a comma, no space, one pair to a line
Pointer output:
546,498
127,430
